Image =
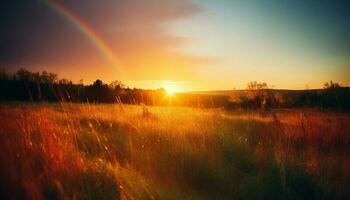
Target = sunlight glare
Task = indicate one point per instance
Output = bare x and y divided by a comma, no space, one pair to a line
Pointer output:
170,87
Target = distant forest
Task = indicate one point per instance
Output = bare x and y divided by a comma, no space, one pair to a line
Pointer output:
35,86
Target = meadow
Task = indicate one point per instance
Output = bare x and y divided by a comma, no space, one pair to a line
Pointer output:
117,151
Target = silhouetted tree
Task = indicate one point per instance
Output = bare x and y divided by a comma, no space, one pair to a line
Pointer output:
25,85
24,75
64,82
117,85
257,94
48,78
331,85
98,83
3,75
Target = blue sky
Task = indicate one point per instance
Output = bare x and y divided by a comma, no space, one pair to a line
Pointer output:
289,44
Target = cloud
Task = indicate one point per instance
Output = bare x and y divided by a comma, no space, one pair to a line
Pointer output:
136,31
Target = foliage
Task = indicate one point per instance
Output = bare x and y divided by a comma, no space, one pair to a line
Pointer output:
34,86
331,85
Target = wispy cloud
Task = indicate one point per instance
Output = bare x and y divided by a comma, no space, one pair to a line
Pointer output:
136,31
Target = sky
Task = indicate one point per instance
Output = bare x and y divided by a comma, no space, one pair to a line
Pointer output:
180,44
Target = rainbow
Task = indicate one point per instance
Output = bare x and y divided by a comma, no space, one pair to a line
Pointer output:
86,30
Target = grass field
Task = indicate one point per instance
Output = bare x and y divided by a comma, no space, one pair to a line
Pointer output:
86,151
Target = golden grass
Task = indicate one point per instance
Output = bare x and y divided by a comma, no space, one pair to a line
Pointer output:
87,151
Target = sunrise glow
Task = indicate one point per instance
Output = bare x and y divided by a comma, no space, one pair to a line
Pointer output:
133,42
170,87
174,99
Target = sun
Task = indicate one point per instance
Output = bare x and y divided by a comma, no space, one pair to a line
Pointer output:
170,91
170,87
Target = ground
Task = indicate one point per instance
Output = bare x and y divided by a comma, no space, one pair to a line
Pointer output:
116,151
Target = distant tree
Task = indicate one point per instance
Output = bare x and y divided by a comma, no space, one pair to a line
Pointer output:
36,77
117,85
98,83
24,75
257,93
3,75
253,85
48,78
335,96
64,82
331,85
257,89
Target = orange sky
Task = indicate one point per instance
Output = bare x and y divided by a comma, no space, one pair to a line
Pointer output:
184,44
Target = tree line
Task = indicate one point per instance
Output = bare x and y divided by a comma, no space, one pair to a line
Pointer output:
25,85
257,95
35,86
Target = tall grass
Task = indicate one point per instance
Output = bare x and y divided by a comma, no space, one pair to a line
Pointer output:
87,151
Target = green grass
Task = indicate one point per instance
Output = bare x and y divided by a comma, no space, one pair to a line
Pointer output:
86,151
